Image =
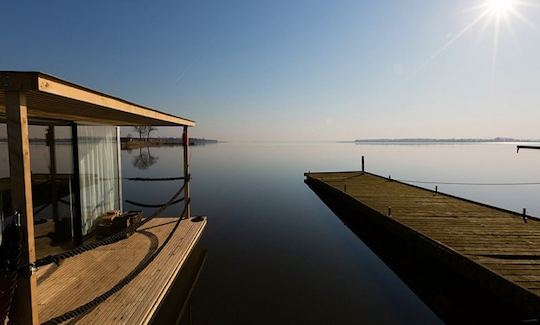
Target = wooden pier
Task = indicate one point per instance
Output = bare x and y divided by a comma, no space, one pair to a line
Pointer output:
498,250
82,278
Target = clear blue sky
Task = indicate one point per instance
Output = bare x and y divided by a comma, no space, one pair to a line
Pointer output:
296,70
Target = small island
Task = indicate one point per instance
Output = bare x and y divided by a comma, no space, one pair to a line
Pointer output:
133,143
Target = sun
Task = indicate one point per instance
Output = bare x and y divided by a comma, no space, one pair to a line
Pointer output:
495,13
499,7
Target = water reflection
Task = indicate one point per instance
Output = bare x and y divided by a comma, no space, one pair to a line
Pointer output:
144,159
279,255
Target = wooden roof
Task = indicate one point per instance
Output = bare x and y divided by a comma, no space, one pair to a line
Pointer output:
48,97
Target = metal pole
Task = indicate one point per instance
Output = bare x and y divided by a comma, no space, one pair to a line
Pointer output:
185,141
77,216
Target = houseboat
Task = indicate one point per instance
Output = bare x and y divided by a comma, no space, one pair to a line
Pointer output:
69,252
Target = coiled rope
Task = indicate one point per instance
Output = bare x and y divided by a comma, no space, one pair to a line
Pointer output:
89,306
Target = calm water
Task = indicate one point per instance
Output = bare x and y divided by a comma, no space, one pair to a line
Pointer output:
277,254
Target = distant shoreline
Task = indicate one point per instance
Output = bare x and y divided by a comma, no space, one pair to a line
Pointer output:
134,143
451,140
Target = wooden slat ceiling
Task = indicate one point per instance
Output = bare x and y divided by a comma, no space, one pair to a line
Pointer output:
51,98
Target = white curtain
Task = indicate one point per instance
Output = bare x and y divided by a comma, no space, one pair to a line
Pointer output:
98,170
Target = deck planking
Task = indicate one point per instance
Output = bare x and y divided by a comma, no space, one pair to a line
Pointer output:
82,278
493,245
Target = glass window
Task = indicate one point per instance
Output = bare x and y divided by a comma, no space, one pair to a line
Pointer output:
98,170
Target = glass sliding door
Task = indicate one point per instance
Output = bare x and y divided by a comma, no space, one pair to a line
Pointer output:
98,173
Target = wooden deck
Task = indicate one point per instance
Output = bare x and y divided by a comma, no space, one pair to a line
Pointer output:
80,279
491,246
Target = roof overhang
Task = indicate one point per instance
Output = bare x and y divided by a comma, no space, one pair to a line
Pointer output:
48,97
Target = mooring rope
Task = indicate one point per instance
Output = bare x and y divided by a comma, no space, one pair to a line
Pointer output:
455,183
50,259
141,179
89,306
153,205
468,183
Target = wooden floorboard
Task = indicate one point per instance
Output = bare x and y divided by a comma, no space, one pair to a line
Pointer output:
82,278
499,241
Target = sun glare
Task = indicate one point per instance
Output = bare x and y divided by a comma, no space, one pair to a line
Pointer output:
498,14
499,7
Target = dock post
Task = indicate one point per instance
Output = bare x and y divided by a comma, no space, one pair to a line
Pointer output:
436,189
363,164
25,299
524,216
185,140
389,211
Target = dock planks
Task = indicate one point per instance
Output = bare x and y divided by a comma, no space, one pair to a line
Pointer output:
489,245
86,276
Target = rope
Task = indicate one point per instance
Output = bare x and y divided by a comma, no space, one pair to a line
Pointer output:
153,205
141,179
10,255
468,183
89,306
106,241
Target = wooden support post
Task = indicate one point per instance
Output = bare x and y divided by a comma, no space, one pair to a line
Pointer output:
52,171
25,300
185,140
362,164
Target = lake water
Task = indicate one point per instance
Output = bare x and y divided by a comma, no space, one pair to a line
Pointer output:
277,254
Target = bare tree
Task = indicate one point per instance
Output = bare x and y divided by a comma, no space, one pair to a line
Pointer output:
145,130
141,129
150,129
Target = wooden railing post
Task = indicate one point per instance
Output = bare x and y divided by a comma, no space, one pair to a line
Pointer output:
25,300
185,140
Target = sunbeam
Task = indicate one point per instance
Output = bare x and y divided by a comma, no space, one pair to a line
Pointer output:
495,13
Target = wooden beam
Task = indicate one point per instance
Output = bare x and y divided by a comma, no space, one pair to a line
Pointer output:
187,203
77,103
25,300
58,87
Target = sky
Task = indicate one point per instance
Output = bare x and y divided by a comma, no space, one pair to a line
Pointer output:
295,70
